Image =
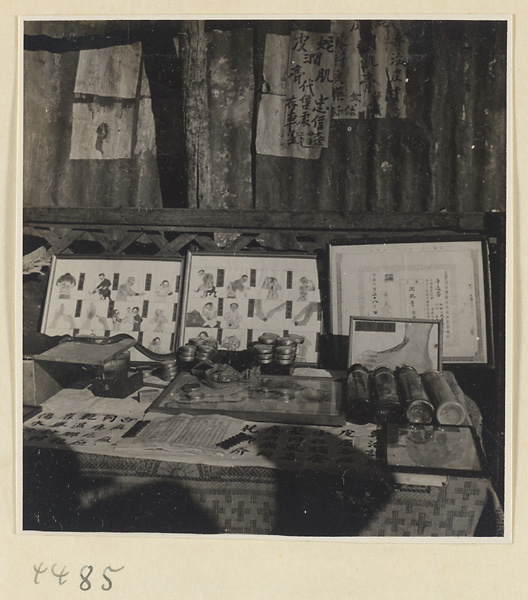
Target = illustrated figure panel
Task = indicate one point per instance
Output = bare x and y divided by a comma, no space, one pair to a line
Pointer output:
235,299
105,297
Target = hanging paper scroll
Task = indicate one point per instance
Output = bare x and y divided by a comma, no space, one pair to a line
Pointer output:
370,70
104,115
272,106
309,86
110,72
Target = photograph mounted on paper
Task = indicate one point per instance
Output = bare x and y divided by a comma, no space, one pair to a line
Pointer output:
432,449
441,280
395,343
104,297
235,299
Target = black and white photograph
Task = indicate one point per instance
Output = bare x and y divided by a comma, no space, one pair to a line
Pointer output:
204,206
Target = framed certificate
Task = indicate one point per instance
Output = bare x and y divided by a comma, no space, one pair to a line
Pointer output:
443,280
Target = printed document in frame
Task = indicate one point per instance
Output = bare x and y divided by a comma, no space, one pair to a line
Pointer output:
443,280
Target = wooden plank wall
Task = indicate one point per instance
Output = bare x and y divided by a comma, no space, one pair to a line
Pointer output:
448,153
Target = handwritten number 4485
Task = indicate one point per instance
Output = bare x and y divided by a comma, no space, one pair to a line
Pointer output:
85,572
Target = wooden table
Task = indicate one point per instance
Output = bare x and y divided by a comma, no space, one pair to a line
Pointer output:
85,491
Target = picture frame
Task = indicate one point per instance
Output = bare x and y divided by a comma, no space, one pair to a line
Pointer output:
237,298
432,449
105,296
394,343
299,400
442,278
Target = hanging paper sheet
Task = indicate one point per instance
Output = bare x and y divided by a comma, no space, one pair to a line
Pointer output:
370,76
101,131
111,72
271,138
309,85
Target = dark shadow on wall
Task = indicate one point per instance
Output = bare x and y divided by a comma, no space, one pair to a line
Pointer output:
164,70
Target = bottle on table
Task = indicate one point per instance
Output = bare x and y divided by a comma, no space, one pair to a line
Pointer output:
418,408
360,407
449,409
388,406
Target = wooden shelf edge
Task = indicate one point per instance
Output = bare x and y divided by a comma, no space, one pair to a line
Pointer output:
252,220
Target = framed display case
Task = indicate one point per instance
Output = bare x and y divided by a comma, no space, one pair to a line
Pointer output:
394,343
430,449
445,280
102,297
235,299
274,399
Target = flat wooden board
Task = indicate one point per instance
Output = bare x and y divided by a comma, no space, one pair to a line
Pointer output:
274,399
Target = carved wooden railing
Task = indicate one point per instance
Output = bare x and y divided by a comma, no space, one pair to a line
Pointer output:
171,232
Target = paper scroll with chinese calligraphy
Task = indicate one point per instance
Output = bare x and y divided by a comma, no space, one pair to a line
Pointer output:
370,70
309,85
272,105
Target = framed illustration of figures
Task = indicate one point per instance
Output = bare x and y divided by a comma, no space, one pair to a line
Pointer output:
102,297
445,280
235,299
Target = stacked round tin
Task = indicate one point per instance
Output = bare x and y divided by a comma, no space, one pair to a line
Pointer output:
272,348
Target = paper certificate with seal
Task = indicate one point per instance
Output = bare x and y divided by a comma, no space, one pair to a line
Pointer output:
426,280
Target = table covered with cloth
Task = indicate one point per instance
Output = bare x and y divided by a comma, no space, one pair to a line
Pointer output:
112,490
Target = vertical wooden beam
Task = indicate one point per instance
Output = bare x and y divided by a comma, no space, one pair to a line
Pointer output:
163,67
196,121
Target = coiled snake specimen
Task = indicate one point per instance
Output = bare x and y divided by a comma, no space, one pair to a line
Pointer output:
119,338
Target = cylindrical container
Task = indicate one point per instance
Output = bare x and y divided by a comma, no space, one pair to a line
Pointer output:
263,353
388,405
268,338
360,408
187,356
418,408
298,339
284,351
263,349
283,361
117,368
286,341
449,409
169,370
205,350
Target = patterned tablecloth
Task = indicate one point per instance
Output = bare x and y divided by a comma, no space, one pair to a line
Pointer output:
97,490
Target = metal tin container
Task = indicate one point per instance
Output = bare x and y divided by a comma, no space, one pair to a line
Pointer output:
268,338
285,351
117,368
286,341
